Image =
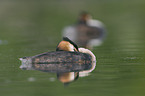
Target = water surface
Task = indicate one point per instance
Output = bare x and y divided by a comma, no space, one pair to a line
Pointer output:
31,28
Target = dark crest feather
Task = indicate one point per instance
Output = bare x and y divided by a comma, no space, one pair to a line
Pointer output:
67,39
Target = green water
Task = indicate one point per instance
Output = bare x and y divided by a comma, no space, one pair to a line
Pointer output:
32,27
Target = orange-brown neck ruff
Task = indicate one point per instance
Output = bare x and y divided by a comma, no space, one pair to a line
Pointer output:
74,45
65,46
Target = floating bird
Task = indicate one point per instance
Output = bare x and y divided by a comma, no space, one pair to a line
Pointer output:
87,32
68,61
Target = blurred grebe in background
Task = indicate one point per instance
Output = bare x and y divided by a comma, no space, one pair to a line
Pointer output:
87,32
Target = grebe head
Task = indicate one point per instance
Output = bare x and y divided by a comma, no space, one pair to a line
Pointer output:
67,45
84,17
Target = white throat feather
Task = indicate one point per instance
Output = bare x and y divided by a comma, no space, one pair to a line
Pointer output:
86,72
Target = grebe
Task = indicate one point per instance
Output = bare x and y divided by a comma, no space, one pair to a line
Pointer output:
87,32
68,61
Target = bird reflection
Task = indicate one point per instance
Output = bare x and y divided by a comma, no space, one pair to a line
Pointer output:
67,78
87,32
68,61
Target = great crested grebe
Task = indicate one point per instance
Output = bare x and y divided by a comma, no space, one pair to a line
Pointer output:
67,45
87,32
68,61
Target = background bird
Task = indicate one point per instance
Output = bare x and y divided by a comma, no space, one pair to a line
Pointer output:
87,32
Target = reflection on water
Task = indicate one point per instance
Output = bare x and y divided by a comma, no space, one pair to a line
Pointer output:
68,66
32,27
3,42
31,79
67,77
